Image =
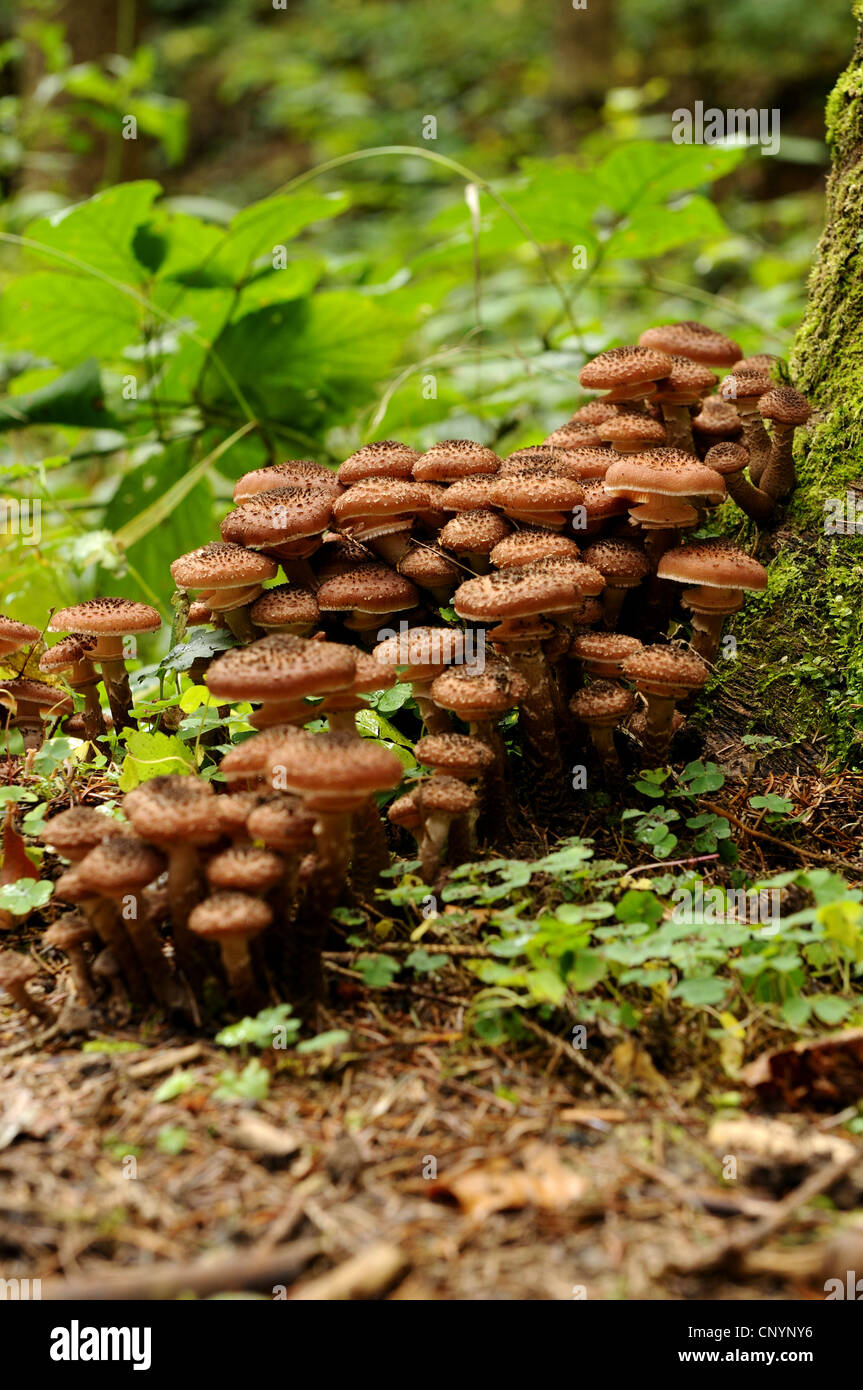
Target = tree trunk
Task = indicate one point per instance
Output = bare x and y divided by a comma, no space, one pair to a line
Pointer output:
800,671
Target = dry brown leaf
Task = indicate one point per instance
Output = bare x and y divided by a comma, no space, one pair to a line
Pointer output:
542,1181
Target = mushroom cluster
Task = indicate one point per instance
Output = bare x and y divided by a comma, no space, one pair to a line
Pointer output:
527,602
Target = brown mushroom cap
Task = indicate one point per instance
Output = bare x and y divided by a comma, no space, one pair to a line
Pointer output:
277,516
423,651
335,765
285,605
524,493
378,497
593,413
717,419
222,565
106,617
66,653
525,591
693,340
470,494
604,649
75,832
664,473
744,385
624,366
120,864
35,697
171,808
456,754
474,532
284,823
621,564
574,434
367,589
785,406
600,505
250,758
388,458
70,930
429,567
713,564
477,695
281,667
225,915
727,457
588,463
533,543
231,811
666,670
246,869
455,458
447,795
763,362
629,429
16,969
199,614
405,811
601,703
686,383
303,473
15,635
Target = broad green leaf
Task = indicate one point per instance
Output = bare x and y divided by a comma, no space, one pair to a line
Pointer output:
274,222
701,991
651,231
100,231
151,755
25,895
68,317
73,398
646,171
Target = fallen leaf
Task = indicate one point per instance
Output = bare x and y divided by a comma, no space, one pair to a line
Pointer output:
828,1071
542,1181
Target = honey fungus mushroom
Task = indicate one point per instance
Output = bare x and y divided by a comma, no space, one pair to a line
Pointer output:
718,573
70,657
280,671
14,636
229,578
601,706
110,621
663,675
455,458
625,373
787,409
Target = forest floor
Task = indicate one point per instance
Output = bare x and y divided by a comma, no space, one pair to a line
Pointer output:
414,1161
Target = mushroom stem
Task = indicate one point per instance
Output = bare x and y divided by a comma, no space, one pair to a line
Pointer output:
116,679
432,845
536,719
602,738
332,853
779,477
435,719
756,440
750,499
237,960
392,548
184,887
111,931
498,809
240,623
678,427
149,952
371,853
20,995
94,720
612,603
657,733
707,634
342,720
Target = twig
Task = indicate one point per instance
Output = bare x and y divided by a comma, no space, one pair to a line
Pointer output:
235,1271
373,1271
574,1055
783,844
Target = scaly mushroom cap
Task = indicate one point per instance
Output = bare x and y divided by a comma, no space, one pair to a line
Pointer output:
575,434
602,703
727,457
666,670
785,406
336,767
171,808
763,362
714,564
628,430
548,461
372,673
405,811
15,635
600,505
604,650
717,419
477,695
246,869
459,755
388,458
429,567
285,605
75,832
303,473
227,915
624,366
533,543
422,652
474,532
278,515
521,592
745,385
70,930
446,795
283,823
30,696
455,458
470,494
250,759
281,667
664,473
199,614
222,565
621,564
593,413
119,865
585,464
106,617
367,589
378,497
533,492
231,810
686,383
67,653
693,340
339,554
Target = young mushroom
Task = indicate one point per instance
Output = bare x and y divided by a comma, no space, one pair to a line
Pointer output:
685,385
623,567
788,410
110,621
17,972
71,657
229,577
601,706
744,389
441,800
663,675
731,460
70,934
15,636
232,920
280,671
719,572
625,373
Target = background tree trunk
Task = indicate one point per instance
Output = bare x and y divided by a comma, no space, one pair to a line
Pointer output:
800,671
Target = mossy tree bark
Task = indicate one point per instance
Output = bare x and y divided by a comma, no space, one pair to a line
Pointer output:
800,671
